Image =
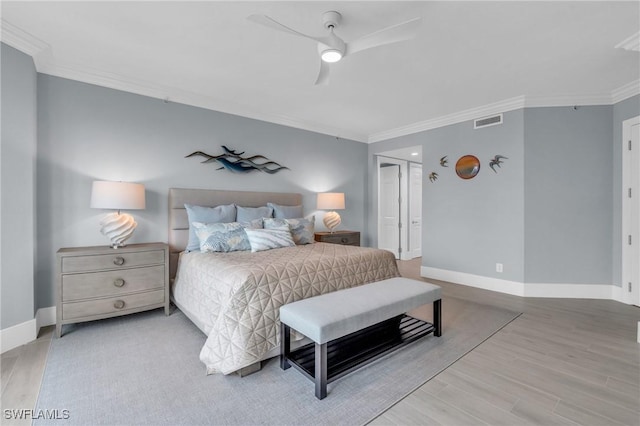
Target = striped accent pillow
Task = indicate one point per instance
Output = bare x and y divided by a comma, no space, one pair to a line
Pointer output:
302,229
267,239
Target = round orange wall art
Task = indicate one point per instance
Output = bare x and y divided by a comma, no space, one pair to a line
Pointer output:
467,166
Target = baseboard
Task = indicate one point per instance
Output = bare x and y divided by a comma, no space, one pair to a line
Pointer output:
569,291
551,290
23,333
17,335
487,283
45,317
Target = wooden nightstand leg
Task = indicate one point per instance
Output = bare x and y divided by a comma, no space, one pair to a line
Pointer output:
59,330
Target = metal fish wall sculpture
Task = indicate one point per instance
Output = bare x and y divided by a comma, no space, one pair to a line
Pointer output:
234,162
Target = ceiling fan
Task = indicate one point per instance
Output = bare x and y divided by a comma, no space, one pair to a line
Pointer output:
332,48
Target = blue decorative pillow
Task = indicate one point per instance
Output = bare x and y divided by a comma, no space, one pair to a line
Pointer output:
267,239
247,214
222,237
253,224
285,212
219,214
302,229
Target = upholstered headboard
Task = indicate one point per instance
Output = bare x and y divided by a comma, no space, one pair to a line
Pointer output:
179,224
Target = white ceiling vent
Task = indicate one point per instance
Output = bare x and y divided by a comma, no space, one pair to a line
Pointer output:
494,120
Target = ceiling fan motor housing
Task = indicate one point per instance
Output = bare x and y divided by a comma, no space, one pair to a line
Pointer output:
331,19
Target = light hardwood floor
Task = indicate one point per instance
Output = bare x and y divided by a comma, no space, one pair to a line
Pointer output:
563,362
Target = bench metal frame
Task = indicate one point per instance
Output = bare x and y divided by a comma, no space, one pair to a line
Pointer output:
326,362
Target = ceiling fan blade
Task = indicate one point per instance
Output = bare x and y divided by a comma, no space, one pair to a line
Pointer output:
393,34
323,75
273,24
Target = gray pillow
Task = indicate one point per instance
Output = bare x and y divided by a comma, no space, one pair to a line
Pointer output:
219,214
247,214
285,212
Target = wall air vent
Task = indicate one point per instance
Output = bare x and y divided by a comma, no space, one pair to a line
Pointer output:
494,120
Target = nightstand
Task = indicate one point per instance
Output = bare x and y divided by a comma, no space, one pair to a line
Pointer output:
347,238
101,282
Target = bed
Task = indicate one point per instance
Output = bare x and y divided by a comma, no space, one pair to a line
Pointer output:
234,297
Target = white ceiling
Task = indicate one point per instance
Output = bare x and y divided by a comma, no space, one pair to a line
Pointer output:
467,55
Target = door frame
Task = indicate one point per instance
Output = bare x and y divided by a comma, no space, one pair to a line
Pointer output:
628,296
404,253
411,250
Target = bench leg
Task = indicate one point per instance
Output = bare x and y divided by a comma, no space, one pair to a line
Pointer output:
321,370
285,345
437,318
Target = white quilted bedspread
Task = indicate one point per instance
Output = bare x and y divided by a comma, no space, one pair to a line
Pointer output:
236,296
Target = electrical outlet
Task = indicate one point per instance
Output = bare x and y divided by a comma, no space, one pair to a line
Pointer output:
499,267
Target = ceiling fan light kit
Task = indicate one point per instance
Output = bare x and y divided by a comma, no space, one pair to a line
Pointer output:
331,55
332,48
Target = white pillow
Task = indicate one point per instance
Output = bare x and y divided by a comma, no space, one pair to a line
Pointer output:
267,239
302,229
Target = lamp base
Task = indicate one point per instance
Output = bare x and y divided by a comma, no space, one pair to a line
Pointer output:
118,227
331,220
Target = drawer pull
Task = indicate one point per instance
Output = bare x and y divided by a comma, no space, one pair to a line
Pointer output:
119,304
118,261
344,240
118,282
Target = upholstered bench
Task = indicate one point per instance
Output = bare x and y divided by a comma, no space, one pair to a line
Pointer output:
355,326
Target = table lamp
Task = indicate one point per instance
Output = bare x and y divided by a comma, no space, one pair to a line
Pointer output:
331,201
117,226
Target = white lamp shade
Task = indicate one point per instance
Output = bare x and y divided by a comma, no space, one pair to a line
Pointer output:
331,201
117,195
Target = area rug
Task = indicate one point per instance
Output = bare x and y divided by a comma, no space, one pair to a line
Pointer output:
144,369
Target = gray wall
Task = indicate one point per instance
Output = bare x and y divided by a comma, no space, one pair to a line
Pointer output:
568,209
17,180
468,225
91,133
552,214
622,111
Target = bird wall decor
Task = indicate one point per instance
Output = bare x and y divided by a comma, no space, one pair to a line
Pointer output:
496,162
433,176
234,161
444,162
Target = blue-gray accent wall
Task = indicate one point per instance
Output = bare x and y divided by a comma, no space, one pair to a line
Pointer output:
568,209
17,192
552,212
468,225
93,133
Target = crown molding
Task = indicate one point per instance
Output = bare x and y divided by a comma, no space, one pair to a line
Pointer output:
172,94
21,40
617,95
631,43
41,52
567,100
625,92
43,60
458,117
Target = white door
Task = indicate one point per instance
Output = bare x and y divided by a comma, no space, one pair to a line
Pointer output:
389,208
635,214
631,211
415,211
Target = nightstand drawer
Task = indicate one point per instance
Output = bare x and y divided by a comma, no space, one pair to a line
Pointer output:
111,283
111,305
112,261
346,238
